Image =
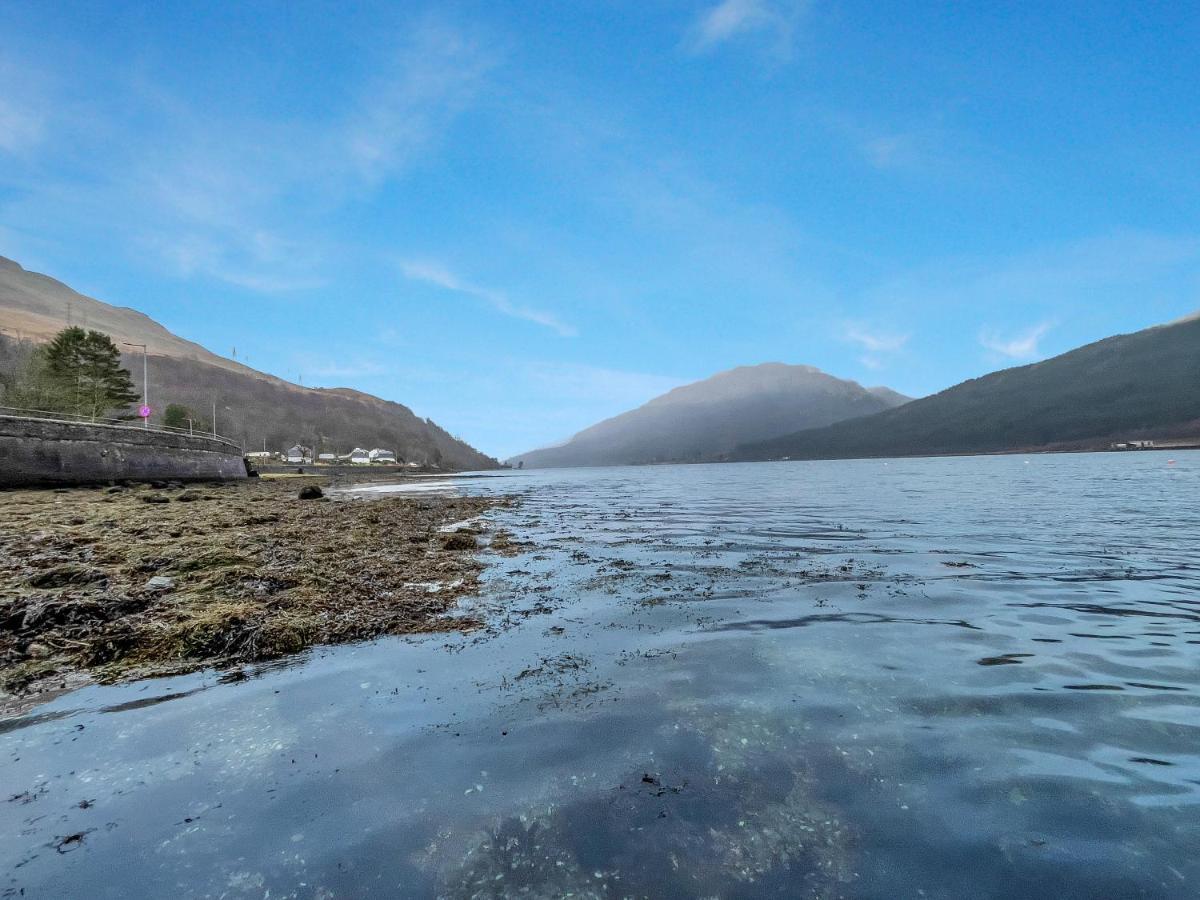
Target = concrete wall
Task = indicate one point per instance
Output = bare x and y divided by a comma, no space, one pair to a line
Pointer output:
45,451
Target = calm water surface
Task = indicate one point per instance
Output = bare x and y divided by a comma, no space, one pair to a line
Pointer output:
916,678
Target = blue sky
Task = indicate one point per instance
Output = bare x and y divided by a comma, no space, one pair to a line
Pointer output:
518,218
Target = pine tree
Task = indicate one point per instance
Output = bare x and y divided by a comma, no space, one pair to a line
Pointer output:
87,367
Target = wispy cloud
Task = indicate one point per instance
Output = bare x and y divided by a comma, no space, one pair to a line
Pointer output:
875,341
732,19
231,194
439,276
1021,346
879,345
424,84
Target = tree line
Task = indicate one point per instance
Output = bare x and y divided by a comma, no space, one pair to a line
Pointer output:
77,373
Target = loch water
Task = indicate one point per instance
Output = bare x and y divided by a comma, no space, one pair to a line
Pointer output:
936,678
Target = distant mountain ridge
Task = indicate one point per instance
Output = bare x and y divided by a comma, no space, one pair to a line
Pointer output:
252,406
707,419
1140,385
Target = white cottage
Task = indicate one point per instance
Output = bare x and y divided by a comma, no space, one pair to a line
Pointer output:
297,454
359,456
382,456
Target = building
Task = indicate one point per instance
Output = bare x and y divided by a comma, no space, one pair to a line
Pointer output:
259,454
382,456
359,456
298,454
327,457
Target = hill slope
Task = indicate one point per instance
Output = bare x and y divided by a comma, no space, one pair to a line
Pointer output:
708,418
252,406
1131,385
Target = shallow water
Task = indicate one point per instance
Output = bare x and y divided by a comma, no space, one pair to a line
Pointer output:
909,678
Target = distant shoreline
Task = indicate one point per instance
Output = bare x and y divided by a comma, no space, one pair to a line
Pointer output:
1043,451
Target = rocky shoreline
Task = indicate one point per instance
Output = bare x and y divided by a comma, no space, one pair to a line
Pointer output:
120,582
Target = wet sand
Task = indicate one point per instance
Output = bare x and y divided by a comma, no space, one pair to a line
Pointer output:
114,583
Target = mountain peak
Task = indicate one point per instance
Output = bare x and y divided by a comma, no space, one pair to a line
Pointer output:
706,419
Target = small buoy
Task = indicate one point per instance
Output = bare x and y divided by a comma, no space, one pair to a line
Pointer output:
1170,462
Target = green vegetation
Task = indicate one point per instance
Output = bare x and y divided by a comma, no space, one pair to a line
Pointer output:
176,415
79,372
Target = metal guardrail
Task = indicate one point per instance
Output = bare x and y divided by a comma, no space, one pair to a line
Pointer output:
72,419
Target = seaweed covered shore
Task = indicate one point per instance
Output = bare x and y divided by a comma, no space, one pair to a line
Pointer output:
119,582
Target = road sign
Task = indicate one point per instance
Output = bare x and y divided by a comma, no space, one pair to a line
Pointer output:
144,412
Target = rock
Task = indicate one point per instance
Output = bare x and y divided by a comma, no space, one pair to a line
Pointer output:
155,498
311,492
189,497
458,540
116,489
160,583
37,651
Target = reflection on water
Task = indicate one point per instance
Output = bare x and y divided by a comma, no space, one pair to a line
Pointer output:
923,678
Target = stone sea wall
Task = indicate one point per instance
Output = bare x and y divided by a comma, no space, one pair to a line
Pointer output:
49,452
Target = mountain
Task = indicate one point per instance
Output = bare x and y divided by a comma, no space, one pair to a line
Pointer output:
1131,386
709,418
251,406
888,396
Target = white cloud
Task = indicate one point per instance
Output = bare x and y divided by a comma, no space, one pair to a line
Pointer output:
1089,283
439,276
425,84
877,341
731,19
1022,346
232,194
880,345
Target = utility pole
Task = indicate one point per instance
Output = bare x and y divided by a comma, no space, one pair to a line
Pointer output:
214,418
145,384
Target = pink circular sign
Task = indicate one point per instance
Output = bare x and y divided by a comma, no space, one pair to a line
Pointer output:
144,412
